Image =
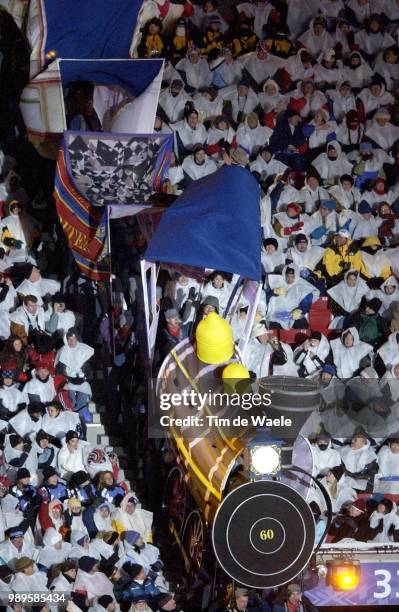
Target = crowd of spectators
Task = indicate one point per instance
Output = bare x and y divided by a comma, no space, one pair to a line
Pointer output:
69,522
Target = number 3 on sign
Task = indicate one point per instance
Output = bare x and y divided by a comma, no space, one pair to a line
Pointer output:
384,584
267,534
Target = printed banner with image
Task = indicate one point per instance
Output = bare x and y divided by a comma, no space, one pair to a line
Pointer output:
95,170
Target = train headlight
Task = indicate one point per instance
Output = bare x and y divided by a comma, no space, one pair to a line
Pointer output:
343,575
265,460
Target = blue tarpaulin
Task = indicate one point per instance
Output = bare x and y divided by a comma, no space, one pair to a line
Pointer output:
214,224
132,75
87,29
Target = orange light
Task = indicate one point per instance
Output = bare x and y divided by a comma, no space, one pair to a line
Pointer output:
343,575
51,55
348,581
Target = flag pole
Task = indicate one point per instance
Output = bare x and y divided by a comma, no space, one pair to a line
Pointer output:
111,293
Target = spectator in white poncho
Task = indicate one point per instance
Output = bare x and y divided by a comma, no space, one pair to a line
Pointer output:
130,517
348,352
360,462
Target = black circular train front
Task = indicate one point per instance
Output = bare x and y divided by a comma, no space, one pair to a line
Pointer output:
263,534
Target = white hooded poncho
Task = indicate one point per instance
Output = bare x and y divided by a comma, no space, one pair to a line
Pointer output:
347,359
360,75
389,300
258,12
332,168
35,583
140,520
355,460
49,555
39,289
74,358
270,103
197,75
73,461
383,135
372,103
252,139
316,44
389,351
280,307
262,69
188,135
319,354
196,171
58,426
324,460
308,259
388,467
173,107
347,297
265,169
240,104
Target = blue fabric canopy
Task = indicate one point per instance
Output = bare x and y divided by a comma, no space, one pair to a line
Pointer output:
132,75
214,224
87,29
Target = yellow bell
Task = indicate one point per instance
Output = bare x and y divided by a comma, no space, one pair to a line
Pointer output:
235,370
234,376
214,337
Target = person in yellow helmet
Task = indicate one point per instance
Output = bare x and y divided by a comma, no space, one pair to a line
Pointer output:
341,256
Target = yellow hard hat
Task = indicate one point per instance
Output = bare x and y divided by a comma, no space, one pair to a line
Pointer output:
214,337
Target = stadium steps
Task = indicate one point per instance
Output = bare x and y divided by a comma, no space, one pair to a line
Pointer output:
97,431
96,435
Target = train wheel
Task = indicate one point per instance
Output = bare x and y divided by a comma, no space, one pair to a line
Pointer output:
193,541
175,499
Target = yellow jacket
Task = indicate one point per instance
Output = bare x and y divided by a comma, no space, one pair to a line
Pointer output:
180,44
153,45
338,258
212,40
241,46
386,270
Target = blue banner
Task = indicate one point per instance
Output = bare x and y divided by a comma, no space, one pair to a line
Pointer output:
87,29
132,75
215,224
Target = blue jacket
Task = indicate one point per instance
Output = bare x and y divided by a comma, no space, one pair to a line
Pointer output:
59,491
28,496
134,590
113,495
282,136
86,495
